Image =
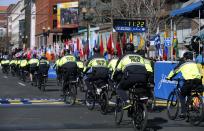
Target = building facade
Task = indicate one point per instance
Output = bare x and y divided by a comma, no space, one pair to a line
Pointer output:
17,25
3,28
46,23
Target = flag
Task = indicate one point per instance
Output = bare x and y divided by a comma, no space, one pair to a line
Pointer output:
175,45
110,46
131,38
118,49
142,43
158,45
101,46
78,44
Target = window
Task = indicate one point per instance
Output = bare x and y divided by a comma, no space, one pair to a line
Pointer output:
55,9
54,24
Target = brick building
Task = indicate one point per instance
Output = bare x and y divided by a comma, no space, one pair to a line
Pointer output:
46,17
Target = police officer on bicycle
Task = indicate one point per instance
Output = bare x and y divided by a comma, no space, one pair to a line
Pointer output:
96,69
68,68
33,66
190,74
130,69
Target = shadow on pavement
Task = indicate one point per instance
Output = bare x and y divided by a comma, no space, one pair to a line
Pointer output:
155,124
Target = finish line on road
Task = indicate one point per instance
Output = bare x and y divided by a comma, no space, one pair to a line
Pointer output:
21,101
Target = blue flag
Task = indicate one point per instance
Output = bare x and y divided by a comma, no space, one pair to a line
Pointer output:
157,41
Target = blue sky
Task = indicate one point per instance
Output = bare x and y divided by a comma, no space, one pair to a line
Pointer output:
7,2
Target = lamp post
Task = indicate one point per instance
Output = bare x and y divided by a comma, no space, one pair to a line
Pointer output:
46,34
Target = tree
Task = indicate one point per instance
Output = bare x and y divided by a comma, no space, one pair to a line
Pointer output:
150,10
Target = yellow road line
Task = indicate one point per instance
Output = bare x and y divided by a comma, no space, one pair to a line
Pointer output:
16,103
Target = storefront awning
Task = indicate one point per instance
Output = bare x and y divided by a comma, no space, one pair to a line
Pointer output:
187,9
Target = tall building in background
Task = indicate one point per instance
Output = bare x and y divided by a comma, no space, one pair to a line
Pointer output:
3,27
48,15
17,16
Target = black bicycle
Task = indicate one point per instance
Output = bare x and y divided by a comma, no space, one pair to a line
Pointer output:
97,94
138,110
193,104
13,69
42,81
69,83
5,68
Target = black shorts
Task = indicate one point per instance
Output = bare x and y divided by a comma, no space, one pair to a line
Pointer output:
190,85
33,69
98,73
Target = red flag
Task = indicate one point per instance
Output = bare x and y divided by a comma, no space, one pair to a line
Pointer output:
164,55
78,48
118,49
101,46
110,46
124,40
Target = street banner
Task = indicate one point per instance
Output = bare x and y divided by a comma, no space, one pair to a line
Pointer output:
163,87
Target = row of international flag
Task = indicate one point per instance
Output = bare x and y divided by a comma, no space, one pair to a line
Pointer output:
79,46
104,41
170,46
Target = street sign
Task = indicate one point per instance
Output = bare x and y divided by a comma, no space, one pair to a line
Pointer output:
129,25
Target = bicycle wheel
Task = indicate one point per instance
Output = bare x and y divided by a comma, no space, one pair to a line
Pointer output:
90,99
81,85
104,102
195,109
139,116
118,111
173,105
43,84
70,95
151,101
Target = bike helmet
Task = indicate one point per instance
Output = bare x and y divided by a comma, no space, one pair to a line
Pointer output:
188,55
96,50
129,47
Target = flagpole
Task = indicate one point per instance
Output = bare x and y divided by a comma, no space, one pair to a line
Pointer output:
199,31
171,39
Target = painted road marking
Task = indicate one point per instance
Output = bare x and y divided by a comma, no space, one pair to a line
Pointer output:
21,84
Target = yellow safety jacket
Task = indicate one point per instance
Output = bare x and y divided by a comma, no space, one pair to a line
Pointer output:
80,64
65,59
13,62
112,64
129,59
96,62
148,65
189,71
3,62
23,63
33,61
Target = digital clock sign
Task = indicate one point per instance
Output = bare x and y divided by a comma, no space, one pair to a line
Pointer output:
129,25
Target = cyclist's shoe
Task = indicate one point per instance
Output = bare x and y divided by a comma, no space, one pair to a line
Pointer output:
127,105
